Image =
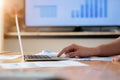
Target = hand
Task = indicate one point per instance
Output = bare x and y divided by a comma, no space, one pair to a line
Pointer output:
116,58
76,50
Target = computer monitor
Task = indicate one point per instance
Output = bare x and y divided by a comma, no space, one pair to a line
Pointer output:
67,13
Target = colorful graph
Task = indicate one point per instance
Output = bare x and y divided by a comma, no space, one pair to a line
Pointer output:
92,9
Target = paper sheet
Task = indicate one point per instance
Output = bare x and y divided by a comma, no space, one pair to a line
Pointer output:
9,56
41,64
94,58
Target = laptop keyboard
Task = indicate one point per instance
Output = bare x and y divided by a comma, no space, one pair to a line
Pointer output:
37,57
41,57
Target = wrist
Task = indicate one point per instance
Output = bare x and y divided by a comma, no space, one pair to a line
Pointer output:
95,51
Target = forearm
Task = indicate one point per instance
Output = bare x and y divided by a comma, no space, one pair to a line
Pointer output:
110,49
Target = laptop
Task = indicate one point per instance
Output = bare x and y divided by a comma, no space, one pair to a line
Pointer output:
34,57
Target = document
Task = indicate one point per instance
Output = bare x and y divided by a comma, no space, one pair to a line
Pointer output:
9,56
93,58
41,64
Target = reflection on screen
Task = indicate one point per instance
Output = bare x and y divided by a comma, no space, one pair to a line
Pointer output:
72,13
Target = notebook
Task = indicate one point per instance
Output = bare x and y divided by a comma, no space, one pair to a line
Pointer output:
34,57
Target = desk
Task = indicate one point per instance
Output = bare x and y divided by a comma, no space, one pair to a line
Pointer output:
97,70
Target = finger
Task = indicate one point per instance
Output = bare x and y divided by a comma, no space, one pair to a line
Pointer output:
65,50
62,52
72,54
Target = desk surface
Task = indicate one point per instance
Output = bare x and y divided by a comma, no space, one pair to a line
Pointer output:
97,70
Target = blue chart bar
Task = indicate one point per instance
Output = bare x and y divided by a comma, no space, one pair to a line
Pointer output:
105,7
47,11
96,8
82,11
92,9
73,15
101,8
87,8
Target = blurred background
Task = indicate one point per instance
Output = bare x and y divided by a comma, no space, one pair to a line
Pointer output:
38,42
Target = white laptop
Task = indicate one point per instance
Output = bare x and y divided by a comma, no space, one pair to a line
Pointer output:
34,57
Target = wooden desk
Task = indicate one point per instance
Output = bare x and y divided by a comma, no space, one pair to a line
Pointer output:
97,70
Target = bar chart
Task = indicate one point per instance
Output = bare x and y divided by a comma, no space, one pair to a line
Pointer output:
72,12
91,9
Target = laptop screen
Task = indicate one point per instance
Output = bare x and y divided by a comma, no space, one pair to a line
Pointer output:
72,13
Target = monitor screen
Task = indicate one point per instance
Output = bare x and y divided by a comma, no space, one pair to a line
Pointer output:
72,13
